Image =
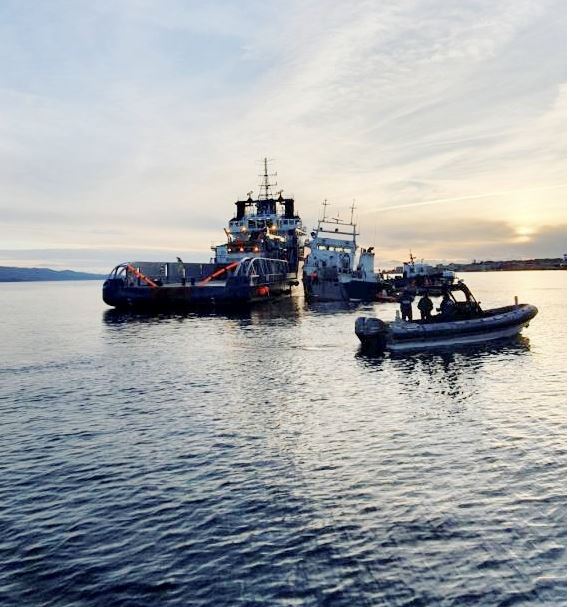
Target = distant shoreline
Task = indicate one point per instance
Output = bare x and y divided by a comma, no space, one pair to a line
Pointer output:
511,265
20,280
15,274
513,270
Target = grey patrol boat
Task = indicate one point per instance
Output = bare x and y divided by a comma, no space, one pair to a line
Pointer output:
465,324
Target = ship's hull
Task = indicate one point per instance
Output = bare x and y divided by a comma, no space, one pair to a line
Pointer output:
323,288
328,286
402,336
230,293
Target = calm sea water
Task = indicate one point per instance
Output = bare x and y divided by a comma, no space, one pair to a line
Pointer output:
261,460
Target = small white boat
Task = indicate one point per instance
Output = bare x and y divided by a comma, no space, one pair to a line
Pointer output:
469,324
418,275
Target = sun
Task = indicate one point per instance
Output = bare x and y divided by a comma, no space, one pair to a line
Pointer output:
523,233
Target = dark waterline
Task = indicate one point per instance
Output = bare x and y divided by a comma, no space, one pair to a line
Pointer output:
262,459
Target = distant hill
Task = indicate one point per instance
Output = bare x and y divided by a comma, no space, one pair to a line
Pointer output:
556,263
11,274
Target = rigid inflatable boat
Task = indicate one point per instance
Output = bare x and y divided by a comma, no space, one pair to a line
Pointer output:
468,324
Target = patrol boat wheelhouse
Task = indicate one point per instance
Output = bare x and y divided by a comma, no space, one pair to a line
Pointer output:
260,259
332,271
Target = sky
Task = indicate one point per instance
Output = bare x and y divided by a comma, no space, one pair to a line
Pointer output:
128,128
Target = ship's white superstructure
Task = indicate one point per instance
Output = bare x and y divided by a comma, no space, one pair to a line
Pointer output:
333,271
264,227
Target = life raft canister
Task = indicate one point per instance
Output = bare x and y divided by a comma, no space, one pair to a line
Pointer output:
263,291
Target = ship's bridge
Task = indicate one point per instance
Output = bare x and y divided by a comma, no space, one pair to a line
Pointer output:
256,222
332,244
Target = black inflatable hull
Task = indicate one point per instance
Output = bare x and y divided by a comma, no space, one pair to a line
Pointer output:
494,324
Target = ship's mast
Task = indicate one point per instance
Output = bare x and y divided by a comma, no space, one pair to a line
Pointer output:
265,192
352,209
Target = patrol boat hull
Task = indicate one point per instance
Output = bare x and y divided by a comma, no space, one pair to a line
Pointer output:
494,324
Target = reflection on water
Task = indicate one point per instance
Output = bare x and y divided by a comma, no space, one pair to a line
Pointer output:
259,458
285,308
331,307
444,371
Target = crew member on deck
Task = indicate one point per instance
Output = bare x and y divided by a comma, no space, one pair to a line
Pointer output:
182,271
406,305
447,307
425,306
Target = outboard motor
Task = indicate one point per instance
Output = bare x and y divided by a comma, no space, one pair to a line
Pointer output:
372,332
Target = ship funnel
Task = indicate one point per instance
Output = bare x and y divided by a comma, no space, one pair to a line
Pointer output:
240,209
289,208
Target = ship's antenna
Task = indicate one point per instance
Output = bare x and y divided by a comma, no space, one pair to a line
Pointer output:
352,209
265,191
324,204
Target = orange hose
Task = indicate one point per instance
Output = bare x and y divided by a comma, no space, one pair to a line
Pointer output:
219,272
140,275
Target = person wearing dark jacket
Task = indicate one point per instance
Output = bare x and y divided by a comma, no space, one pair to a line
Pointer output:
425,306
406,305
447,307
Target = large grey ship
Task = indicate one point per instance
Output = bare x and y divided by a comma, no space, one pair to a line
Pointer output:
258,260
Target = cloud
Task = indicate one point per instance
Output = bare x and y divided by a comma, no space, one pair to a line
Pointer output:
130,123
473,197
93,260
463,239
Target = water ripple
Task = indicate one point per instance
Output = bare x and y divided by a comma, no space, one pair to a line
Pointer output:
261,459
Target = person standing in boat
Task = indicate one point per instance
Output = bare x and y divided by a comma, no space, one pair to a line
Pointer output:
425,306
447,308
181,271
406,304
